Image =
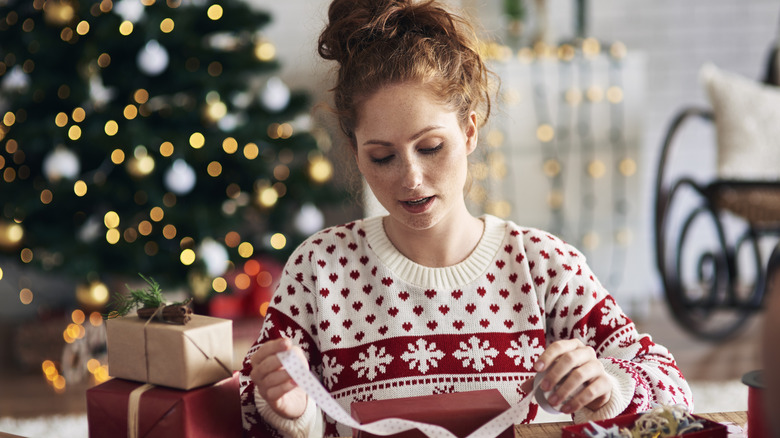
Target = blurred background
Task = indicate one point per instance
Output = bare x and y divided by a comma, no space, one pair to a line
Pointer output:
187,140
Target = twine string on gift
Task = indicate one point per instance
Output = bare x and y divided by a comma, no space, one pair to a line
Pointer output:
146,334
227,369
389,426
133,409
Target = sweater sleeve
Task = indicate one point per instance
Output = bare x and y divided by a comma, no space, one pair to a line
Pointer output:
288,316
643,373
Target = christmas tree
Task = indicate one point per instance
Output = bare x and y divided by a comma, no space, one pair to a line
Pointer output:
145,136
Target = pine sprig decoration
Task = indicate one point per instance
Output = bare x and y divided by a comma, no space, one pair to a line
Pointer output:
151,297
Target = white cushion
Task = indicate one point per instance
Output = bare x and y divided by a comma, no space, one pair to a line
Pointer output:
747,121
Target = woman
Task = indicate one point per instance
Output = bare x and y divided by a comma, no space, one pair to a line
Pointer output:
429,298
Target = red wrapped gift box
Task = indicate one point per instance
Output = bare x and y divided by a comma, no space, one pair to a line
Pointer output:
208,411
711,429
461,412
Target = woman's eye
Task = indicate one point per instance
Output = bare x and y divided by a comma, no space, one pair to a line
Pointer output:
432,150
382,160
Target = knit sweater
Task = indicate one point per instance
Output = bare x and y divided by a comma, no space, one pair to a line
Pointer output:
375,325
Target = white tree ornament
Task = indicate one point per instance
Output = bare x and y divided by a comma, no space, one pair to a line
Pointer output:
275,96
61,163
214,256
180,178
153,58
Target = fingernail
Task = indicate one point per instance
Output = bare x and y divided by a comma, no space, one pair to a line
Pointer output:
566,409
553,400
538,366
546,386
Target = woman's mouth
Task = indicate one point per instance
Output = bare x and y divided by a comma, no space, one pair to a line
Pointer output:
418,205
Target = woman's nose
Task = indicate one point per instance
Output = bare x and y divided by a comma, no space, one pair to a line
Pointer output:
412,174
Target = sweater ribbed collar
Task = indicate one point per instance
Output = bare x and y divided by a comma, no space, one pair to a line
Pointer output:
448,277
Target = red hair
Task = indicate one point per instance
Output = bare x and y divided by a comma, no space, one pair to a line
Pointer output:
383,42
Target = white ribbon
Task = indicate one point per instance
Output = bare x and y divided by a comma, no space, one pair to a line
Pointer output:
300,373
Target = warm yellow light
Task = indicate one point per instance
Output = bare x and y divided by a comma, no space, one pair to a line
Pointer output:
96,319
232,239
627,167
615,94
591,47
104,60
169,231
320,169
264,279
61,119
216,110
113,235
9,118
166,149
143,165
251,151
214,12
117,156
101,374
167,25
268,197
126,28
12,233
79,115
595,94
264,308
145,228
59,382
281,172
26,255
197,140
214,169
551,167
187,257
245,250
596,169
230,145
111,219
130,112
545,133
74,132
141,96
157,214
278,241
219,284
78,316
573,96
265,51
92,365
80,188
25,296
111,128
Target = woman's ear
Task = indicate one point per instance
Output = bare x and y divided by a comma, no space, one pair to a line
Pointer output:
472,133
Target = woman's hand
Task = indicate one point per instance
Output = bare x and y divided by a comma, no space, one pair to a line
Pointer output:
274,383
575,374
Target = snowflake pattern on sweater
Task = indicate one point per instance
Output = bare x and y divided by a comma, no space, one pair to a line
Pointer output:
375,325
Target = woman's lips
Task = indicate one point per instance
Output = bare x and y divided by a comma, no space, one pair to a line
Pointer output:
418,205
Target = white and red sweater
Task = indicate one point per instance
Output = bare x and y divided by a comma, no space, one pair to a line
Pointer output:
375,325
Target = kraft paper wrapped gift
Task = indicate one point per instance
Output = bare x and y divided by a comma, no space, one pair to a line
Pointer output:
461,412
156,411
179,356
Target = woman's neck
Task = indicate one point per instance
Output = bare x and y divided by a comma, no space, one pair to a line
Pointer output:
445,244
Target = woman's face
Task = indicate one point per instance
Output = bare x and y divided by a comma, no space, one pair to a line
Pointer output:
412,151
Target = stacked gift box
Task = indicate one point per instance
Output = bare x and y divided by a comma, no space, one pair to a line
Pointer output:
169,380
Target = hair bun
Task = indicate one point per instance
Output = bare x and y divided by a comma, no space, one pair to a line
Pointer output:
353,24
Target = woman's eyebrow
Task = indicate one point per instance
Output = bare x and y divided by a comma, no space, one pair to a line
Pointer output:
414,137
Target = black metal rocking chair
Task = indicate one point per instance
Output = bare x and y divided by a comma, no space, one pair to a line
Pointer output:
709,251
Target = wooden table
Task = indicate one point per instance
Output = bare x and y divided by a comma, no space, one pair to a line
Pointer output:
553,430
